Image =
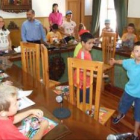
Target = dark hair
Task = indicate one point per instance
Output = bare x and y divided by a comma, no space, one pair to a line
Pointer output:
86,36
131,25
137,43
32,11
55,4
3,28
55,26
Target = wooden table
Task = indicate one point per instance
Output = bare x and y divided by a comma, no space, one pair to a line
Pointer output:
79,124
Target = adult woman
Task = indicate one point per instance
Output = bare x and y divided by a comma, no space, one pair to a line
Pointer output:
5,41
55,17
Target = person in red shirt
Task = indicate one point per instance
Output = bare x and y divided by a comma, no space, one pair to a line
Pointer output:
9,116
84,53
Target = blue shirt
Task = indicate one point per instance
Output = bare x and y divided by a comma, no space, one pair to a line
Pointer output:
133,73
32,31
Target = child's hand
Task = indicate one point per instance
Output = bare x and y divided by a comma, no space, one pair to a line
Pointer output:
44,124
37,112
112,61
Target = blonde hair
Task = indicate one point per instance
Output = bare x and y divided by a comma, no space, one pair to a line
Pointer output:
6,92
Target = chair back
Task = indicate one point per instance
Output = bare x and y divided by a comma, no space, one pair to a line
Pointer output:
45,65
30,56
108,46
88,68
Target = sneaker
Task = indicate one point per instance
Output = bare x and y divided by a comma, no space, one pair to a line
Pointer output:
116,120
135,137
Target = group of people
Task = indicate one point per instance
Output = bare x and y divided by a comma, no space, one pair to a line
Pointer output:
33,31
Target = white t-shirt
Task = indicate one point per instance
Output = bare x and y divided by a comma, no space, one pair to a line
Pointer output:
4,43
69,27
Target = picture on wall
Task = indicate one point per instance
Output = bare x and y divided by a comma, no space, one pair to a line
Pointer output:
15,5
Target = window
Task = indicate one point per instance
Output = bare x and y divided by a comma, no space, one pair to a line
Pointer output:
107,12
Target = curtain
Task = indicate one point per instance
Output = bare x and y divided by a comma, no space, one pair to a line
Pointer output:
95,16
121,14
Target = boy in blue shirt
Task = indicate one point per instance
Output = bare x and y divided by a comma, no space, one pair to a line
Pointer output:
132,88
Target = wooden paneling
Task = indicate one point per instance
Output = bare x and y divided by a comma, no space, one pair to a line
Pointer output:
87,22
19,21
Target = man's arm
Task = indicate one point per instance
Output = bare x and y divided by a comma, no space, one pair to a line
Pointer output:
43,33
23,33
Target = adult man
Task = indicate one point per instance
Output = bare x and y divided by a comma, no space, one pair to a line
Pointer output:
32,29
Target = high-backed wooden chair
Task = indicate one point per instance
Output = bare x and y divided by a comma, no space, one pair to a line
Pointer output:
108,52
88,68
30,57
45,68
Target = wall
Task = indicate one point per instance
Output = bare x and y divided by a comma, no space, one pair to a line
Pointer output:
41,7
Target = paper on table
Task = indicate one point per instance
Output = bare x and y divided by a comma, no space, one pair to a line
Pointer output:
25,102
22,93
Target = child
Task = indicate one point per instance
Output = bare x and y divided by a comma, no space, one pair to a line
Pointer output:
129,38
84,53
68,27
132,88
5,41
79,45
107,28
8,116
54,36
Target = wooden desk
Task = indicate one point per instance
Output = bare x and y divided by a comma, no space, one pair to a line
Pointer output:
80,125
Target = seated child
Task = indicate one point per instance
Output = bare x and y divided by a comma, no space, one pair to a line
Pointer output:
132,89
54,36
84,53
82,30
107,27
129,38
9,116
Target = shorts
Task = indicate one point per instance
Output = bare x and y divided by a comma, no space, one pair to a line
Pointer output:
126,102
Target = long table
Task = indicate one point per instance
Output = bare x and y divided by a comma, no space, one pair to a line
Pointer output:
79,125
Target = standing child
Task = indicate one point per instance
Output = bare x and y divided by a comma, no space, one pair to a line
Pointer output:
54,36
132,88
9,116
84,53
5,41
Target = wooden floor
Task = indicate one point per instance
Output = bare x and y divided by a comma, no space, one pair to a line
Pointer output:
111,99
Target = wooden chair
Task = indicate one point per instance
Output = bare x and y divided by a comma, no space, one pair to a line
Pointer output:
108,52
45,68
30,57
77,65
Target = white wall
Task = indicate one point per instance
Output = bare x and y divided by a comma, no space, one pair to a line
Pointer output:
42,9
134,8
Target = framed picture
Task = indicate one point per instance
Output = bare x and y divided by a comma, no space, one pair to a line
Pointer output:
15,5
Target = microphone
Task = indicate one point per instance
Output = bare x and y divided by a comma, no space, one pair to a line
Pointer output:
61,112
118,136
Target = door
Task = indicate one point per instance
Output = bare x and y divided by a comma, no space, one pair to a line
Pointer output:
77,8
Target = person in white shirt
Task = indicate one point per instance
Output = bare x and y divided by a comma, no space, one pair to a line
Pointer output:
68,26
5,41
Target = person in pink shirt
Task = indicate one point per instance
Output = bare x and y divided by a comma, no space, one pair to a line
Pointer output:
55,17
